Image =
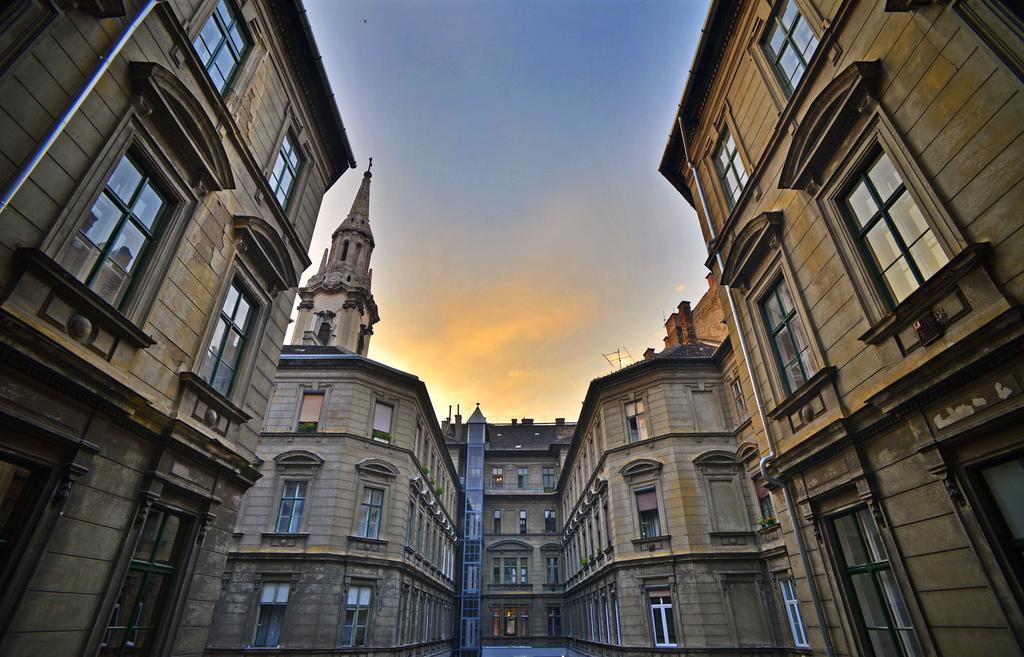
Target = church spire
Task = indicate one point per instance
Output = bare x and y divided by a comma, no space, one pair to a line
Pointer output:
359,216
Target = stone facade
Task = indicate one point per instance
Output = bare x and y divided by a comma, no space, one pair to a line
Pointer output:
146,270
860,162
377,518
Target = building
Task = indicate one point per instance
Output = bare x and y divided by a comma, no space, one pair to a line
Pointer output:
348,541
146,269
856,171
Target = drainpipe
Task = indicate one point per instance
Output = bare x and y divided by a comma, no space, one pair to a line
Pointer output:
819,611
33,160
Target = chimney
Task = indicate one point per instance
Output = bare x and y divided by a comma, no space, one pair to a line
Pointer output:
559,421
515,421
649,354
689,331
528,421
673,331
458,420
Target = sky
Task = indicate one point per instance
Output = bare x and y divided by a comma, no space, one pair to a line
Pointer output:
522,228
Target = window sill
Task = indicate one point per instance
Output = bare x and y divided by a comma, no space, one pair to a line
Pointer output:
802,395
209,406
367,539
653,543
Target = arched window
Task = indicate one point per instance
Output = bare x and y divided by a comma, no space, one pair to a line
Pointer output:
323,334
359,252
344,250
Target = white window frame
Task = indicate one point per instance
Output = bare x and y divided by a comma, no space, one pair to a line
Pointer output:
661,611
796,620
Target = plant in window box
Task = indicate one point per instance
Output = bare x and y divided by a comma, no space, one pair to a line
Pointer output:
439,490
549,489
584,562
768,522
382,436
306,427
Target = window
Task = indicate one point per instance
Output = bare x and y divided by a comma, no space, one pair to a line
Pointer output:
510,570
792,350
221,45
497,521
730,169
369,519
636,421
382,422
549,478
796,621
764,502
524,570
515,621
309,412
549,521
228,340
270,617
286,169
615,618
554,621
497,478
136,616
522,522
552,570
293,503
739,400
789,44
20,490
1005,483
662,624
647,511
107,249
882,613
522,477
357,616
892,230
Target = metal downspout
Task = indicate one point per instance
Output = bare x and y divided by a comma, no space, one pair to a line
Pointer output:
771,455
33,160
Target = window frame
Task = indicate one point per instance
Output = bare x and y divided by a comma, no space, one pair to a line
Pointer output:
639,399
242,57
667,613
298,175
652,489
791,317
367,508
522,477
349,630
282,491
309,391
523,526
259,611
726,133
772,59
791,603
252,333
381,400
1009,552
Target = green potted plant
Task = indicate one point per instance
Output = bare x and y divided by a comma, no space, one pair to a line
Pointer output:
306,427
382,436
768,521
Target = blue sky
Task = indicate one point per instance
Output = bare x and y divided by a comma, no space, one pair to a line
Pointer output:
522,228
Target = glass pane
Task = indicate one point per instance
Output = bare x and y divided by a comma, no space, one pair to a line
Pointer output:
871,536
211,37
222,380
784,343
883,643
883,245
232,347
219,81
901,280
225,62
124,180
884,177
778,37
146,607
785,299
790,63
849,539
774,312
1006,482
127,247
109,282
364,597
281,595
148,535
147,205
201,49
871,605
101,221
230,300
224,12
928,255
862,204
794,375
789,13
237,39
242,312
907,217
169,538
893,596
802,35
79,256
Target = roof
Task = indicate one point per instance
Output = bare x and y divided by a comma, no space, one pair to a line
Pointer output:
521,437
714,37
307,63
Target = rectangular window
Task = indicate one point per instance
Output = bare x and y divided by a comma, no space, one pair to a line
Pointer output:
286,170
134,622
647,511
270,616
662,623
731,173
892,230
739,400
106,251
523,477
882,614
221,45
549,479
369,518
796,620
497,521
293,504
524,570
522,522
549,521
789,44
1005,483
789,342
357,616
764,502
228,340
552,570
497,478
511,572
511,618
554,621
382,422
636,421
309,412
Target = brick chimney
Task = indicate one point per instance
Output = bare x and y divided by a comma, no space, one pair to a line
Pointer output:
559,421
528,421
688,329
649,354
673,331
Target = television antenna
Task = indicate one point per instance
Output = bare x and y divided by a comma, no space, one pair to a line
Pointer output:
619,358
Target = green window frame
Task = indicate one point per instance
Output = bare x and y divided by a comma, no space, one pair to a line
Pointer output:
286,171
522,477
110,246
222,45
357,616
1004,482
135,619
293,506
371,511
891,229
228,340
789,44
881,613
731,174
787,336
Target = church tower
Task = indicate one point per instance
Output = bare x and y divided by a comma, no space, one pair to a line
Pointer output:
336,306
